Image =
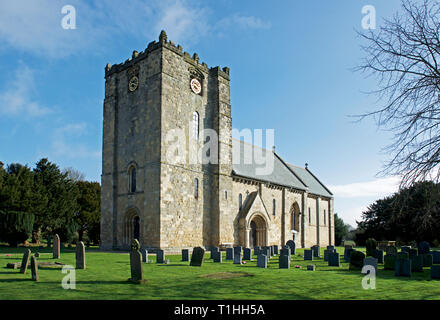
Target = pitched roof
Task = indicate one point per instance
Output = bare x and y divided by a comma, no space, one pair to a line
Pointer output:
246,164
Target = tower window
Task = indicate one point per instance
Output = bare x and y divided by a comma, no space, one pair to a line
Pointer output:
132,179
226,194
274,206
310,216
240,201
325,219
195,125
196,188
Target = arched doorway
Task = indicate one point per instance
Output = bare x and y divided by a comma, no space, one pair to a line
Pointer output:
136,228
132,227
258,230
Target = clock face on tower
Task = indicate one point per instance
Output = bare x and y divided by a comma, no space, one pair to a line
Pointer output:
133,83
196,86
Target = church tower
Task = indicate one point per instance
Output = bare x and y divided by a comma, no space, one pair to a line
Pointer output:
160,108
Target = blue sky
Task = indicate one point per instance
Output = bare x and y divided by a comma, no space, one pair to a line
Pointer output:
291,70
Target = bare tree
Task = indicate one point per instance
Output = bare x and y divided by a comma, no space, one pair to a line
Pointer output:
404,55
74,174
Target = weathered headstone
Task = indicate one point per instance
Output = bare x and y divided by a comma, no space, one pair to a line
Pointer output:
25,261
391,250
285,252
308,255
34,268
266,252
316,251
389,262
218,257
237,257
257,250
275,249
292,246
284,262
238,249
412,252
356,260
427,260
378,254
229,253
56,247
247,254
424,247
262,261
331,248
402,267
137,275
347,253
214,251
333,259
435,272
416,263
160,256
197,257
185,255
371,262
435,257
311,267
326,254
80,255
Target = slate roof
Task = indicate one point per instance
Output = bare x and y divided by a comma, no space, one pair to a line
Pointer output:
282,174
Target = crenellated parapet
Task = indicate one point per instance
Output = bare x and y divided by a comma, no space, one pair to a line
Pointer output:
170,45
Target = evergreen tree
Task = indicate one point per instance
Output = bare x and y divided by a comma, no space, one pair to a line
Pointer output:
89,214
341,230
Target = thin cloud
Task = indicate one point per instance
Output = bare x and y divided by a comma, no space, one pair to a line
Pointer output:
376,188
243,22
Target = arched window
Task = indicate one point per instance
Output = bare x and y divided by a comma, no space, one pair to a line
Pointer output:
240,201
310,216
195,125
132,179
196,188
274,206
226,194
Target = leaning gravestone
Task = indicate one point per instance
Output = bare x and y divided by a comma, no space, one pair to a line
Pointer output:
25,261
416,264
247,254
435,257
284,262
316,251
356,260
34,268
229,253
197,257
56,247
402,267
137,276
292,246
424,247
185,255
218,257
427,260
308,255
160,256
435,272
333,259
81,255
237,257
389,262
371,262
378,254
262,261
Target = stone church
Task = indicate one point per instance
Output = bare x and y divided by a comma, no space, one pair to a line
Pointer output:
171,205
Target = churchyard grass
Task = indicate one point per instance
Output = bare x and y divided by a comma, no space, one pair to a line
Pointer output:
107,274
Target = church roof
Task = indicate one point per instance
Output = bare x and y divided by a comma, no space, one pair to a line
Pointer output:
247,165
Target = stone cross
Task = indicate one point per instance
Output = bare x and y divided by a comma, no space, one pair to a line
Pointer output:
56,247
160,256
80,255
34,268
262,261
185,255
137,276
25,261
197,257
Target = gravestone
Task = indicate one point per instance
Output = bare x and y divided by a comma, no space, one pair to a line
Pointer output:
284,262
311,267
405,249
238,249
356,260
347,254
266,252
389,262
56,247
435,272
25,261
378,254
308,255
316,251
257,250
416,264
371,262
412,252
137,276
37,255
247,254
333,259
262,261
275,249
197,257
80,256
160,256
424,247
402,267
272,250
292,246
331,248
391,250
229,253
326,254
435,257
185,254
144,255
427,260
402,255
34,268
218,257
237,257
285,252
214,251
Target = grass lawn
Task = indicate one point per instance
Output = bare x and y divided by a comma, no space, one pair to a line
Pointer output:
107,273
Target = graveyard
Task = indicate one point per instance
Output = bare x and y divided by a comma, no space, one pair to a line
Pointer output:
107,275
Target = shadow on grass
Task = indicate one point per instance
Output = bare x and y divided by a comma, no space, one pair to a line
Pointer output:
171,265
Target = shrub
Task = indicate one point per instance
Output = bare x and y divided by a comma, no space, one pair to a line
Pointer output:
370,246
15,226
349,243
356,260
